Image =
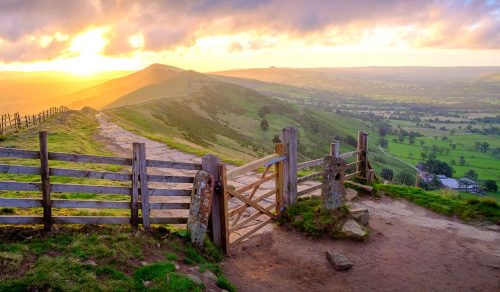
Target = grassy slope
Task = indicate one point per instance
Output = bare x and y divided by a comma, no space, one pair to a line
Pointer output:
88,258
72,132
221,118
102,259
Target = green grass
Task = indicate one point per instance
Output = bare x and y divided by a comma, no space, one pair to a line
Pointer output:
308,216
71,132
447,203
98,259
223,119
484,164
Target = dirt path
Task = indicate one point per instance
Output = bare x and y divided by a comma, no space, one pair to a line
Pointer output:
410,248
119,141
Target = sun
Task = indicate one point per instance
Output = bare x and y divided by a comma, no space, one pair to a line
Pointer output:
85,52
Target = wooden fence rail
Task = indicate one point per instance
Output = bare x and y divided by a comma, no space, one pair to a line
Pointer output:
12,123
138,189
360,166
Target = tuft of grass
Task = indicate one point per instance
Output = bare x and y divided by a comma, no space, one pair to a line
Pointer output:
171,256
224,283
161,277
308,216
447,203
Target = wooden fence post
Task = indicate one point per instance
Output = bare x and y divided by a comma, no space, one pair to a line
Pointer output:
210,164
45,181
144,190
224,197
362,165
289,138
134,199
335,149
279,149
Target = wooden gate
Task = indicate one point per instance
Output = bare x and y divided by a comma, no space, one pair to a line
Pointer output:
247,210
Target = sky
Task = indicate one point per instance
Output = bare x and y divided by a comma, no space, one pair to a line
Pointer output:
89,36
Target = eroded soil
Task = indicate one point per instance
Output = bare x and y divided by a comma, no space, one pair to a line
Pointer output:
410,249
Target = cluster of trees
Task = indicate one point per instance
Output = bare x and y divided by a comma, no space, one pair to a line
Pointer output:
438,167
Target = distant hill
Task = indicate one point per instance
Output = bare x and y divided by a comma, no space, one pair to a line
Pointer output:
202,114
102,95
386,82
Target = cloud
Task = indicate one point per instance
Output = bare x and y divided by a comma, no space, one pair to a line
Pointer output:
167,24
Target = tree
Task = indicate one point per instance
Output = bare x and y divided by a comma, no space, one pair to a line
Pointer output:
406,179
383,143
264,124
461,161
490,185
411,140
423,155
471,174
387,174
438,167
422,142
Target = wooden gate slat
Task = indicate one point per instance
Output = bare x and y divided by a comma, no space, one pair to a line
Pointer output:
257,228
250,203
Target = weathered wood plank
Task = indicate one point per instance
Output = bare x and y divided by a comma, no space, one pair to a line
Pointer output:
280,183
91,189
134,198
19,153
242,224
144,191
170,179
242,208
250,203
309,190
256,183
81,204
89,158
350,165
15,169
289,138
224,197
90,174
310,163
19,186
173,164
252,231
210,164
348,154
170,192
309,177
21,220
90,220
45,181
349,176
250,166
171,206
20,203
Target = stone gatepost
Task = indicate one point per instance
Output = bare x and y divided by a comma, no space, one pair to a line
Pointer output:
201,205
333,191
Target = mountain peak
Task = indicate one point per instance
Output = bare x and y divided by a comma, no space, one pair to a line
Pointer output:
158,66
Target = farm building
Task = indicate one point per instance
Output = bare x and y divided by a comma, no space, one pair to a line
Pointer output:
464,184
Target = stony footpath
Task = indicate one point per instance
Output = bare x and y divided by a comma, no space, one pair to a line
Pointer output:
119,140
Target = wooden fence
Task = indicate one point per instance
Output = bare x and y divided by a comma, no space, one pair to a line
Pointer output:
358,168
138,189
12,123
281,167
